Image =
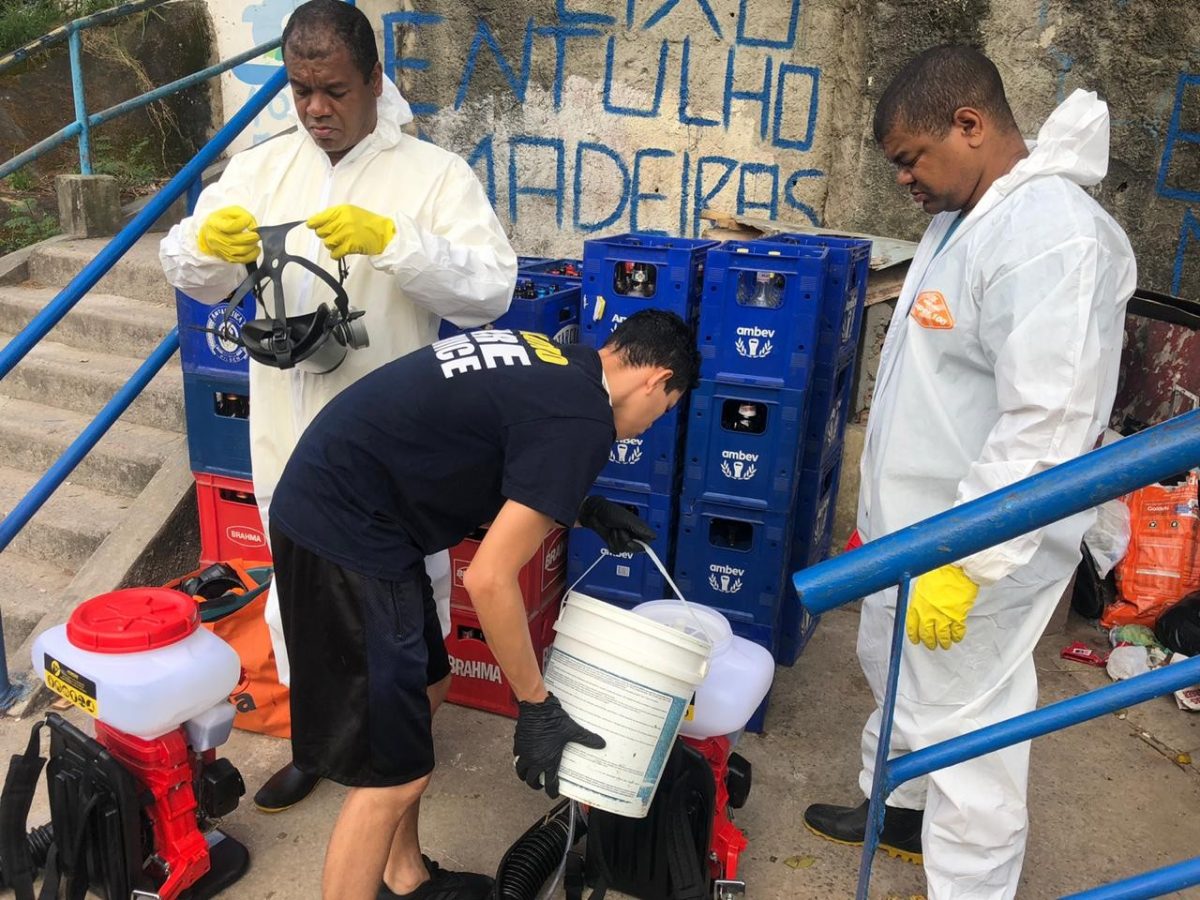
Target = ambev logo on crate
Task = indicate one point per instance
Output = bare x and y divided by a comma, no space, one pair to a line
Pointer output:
725,579
626,453
739,465
754,342
223,332
245,537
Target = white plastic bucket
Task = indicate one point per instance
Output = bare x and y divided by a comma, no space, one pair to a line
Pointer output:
630,680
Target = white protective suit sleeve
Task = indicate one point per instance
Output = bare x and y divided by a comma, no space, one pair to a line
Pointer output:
450,268
1039,329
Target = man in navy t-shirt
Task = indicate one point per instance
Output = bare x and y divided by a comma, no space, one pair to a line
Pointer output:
495,427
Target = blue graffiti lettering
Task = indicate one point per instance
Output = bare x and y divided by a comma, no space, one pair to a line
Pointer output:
1177,135
795,202
803,144
393,61
611,107
576,17
484,151
619,209
483,35
516,189
761,96
703,196
685,116
638,194
754,170
561,34
661,13
1188,232
786,43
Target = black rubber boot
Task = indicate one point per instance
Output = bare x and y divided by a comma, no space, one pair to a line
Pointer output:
285,788
444,885
901,836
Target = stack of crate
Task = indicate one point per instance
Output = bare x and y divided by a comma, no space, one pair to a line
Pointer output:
622,275
475,677
765,428
547,304
216,396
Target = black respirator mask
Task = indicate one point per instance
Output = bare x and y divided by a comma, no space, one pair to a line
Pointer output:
316,342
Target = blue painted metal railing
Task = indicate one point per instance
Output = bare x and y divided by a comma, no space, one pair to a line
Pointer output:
83,123
1152,455
57,308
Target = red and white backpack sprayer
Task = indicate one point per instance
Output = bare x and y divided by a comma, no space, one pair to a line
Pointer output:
132,809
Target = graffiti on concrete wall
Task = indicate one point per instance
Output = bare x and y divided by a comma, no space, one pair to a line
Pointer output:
1181,154
650,145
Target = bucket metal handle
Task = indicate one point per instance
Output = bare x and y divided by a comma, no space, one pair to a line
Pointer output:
665,574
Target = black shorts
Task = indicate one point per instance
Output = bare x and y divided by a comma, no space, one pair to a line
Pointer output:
362,651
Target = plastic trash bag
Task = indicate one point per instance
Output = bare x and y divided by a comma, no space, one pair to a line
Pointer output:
1108,538
1127,661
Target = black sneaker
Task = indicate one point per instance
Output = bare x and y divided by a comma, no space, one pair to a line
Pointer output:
901,836
443,885
285,789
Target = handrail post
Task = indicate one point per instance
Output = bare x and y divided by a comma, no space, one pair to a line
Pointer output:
8,691
75,41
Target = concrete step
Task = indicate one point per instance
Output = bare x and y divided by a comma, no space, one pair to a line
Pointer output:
33,436
104,322
28,589
138,274
71,524
84,380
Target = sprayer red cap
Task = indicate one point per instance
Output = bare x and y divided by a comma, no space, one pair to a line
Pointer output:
133,620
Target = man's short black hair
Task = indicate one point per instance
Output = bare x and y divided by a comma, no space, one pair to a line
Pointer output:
924,94
655,337
317,23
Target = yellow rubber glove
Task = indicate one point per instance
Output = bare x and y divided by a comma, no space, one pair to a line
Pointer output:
350,229
937,610
229,234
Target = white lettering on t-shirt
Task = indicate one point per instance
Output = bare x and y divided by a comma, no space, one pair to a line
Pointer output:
481,349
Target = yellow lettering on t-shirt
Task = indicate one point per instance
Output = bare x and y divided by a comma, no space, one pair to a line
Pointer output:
544,349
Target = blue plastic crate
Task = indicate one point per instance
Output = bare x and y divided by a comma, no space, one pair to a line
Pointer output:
744,445
830,400
625,273
649,463
844,294
217,410
796,626
625,578
734,559
567,270
815,509
202,350
760,314
524,262
555,314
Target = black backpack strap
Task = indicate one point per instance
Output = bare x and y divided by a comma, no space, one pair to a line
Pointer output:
19,787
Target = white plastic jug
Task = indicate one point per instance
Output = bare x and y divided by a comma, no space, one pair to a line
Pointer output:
739,671
138,661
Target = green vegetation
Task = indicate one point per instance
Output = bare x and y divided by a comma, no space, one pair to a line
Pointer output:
24,223
132,166
21,21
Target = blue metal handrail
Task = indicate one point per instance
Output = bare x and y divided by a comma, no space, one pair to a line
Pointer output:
56,309
83,123
1150,456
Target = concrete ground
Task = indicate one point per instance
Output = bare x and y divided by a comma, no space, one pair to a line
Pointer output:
1108,798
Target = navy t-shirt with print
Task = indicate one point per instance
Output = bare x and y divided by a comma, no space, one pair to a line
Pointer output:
412,457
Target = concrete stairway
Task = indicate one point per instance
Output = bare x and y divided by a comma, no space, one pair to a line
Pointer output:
48,399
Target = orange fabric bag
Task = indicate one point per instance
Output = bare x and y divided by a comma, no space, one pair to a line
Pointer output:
237,616
1162,564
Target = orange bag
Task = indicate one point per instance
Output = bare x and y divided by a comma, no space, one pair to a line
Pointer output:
1162,564
237,616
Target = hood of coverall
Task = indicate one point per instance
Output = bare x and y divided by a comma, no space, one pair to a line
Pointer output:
1073,143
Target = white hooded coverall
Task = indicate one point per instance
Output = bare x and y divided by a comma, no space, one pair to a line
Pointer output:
1001,361
449,259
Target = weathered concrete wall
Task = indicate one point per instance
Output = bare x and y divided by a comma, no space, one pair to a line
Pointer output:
591,116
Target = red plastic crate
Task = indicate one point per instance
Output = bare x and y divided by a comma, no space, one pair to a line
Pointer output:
541,577
475,677
230,526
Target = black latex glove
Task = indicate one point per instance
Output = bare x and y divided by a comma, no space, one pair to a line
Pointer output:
618,527
543,729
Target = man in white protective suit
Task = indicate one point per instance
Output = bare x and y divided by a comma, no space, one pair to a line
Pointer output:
410,219
1001,361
